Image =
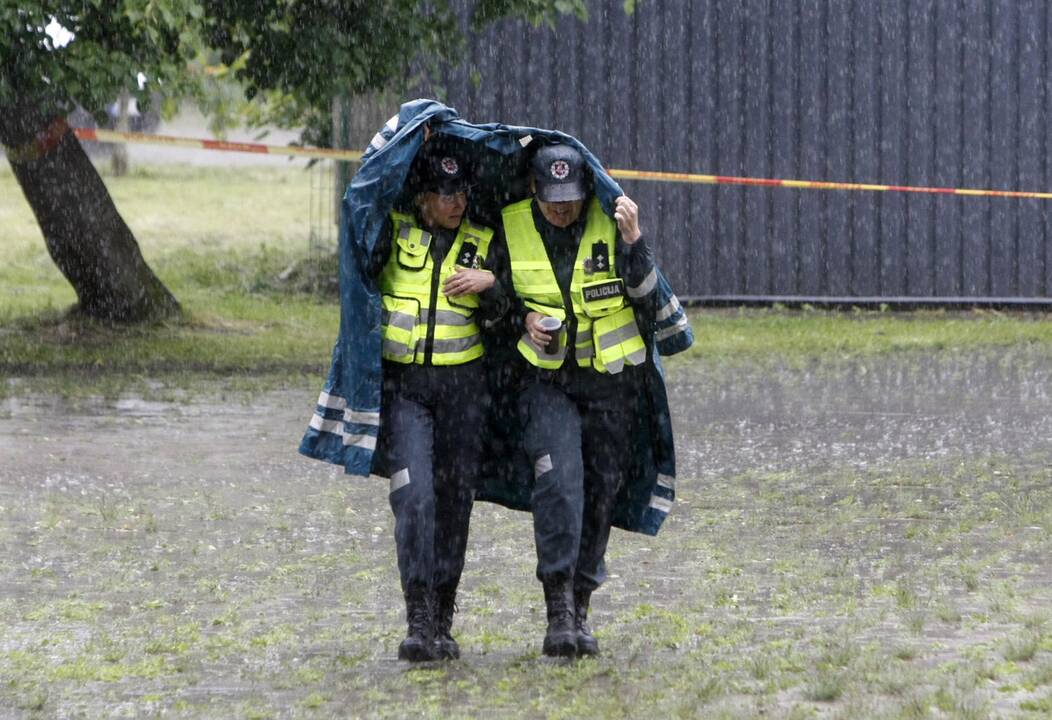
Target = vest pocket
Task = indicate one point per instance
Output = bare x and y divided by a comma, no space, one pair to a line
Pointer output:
617,341
465,303
398,328
412,248
602,297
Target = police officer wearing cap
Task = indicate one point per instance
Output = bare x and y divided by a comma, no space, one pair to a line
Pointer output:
568,260
429,267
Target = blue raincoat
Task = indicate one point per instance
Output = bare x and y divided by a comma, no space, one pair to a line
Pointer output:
346,421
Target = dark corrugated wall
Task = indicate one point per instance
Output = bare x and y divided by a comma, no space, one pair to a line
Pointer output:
906,92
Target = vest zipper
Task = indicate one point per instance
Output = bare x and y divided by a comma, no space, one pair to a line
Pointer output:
432,314
568,307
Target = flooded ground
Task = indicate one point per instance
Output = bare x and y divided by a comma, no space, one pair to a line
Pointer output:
855,539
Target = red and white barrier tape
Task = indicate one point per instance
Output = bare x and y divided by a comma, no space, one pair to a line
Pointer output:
819,184
48,139
129,137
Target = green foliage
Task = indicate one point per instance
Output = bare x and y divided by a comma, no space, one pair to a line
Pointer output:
536,11
295,57
291,57
111,44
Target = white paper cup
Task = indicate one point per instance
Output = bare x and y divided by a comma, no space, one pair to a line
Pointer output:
552,326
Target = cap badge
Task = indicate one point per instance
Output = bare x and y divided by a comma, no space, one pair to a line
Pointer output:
450,166
560,169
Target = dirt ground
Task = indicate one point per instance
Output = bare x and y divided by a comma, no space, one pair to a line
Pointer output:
852,539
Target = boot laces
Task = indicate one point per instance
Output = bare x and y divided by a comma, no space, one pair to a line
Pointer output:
560,611
581,617
419,619
444,619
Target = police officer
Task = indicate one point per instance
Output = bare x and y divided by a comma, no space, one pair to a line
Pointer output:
429,267
570,265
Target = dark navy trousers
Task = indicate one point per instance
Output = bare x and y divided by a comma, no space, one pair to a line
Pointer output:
431,425
577,425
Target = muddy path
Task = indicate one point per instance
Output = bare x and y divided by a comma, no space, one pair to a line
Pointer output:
855,538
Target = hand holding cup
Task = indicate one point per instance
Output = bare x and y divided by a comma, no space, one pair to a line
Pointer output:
544,331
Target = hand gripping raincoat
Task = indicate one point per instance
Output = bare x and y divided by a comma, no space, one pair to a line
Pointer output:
346,421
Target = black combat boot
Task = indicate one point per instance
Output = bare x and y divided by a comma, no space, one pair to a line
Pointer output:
561,638
586,642
419,644
445,605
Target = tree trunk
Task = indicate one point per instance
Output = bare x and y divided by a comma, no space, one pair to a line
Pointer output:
119,159
85,235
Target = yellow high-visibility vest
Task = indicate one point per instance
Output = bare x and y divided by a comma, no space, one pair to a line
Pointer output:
406,286
607,334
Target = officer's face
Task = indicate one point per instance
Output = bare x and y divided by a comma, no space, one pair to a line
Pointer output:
561,214
445,211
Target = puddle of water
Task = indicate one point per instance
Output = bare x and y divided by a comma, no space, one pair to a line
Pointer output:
36,406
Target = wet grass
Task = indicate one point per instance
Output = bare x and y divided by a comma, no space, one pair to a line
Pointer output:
220,240
780,335
209,228
795,595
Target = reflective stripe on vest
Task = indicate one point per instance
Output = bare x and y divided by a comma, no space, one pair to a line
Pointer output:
405,286
607,336
619,341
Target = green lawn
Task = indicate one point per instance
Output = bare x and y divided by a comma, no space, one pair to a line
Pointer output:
219,238
799,335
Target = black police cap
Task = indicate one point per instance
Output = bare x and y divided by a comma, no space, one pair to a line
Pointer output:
442,170
560,174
